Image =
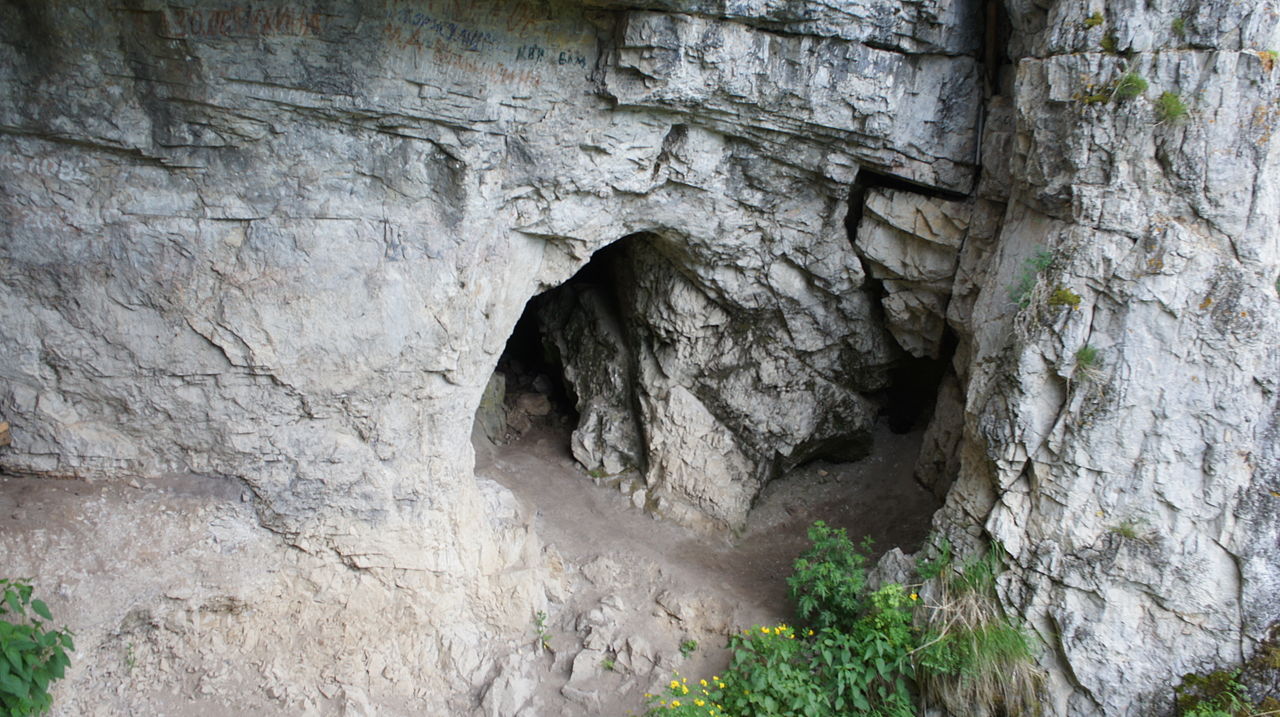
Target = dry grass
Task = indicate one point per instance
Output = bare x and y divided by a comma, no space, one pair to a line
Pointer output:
978,663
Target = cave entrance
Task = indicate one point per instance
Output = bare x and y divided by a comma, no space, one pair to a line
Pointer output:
562,330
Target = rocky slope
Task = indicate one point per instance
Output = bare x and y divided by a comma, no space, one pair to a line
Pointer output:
285,245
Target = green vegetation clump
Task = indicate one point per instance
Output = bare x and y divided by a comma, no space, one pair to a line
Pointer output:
1063,296
688,647
973,659
32,656
540,627
1109,43
1129,529
1179,27
1087,357
1217,694
1130,86
861,650
1170,108
1021,290
1222,693
828,581
1088,365
1093,20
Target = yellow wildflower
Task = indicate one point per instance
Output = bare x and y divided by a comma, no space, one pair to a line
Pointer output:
675,684
915,596
675,703
702,682
685,690
699,703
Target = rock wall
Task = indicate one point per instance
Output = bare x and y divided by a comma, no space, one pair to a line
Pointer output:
1120,407
286,243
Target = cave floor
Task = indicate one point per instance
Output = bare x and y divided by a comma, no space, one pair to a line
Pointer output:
670,584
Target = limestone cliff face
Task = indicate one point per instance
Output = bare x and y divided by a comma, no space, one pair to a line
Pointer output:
286,243
1120,417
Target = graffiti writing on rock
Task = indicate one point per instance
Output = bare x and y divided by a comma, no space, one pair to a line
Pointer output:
512,43
244,21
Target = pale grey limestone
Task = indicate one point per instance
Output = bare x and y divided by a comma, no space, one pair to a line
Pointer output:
288,247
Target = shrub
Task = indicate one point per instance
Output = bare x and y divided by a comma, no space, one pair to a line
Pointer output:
862,650
1093,20
1130,86
31,656
827,582
1170,108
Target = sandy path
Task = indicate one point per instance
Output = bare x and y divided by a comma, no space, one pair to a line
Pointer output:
740,578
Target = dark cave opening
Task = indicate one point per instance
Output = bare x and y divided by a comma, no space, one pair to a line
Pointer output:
536,392
907,402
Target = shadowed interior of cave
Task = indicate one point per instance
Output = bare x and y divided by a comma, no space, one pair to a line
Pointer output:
907,404
531,366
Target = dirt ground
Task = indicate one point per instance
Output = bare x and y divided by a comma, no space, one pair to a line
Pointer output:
631,588
739,580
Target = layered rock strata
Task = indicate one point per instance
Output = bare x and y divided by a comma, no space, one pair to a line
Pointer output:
285,245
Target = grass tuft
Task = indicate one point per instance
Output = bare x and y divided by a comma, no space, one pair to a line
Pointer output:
1130,86
1170,108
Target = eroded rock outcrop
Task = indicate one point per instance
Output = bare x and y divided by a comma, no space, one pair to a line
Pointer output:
1119,434
285,244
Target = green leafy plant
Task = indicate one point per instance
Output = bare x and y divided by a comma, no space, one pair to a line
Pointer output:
688,647
863,648
32,656
828,579
932,568
540,628
1130,86
1179,27
703,699
1217,694
1021,290
1063,296
1170,108
608,664
1109,43
1093,20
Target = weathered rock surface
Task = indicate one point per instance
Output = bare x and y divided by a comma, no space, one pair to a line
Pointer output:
1131,491
285,245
